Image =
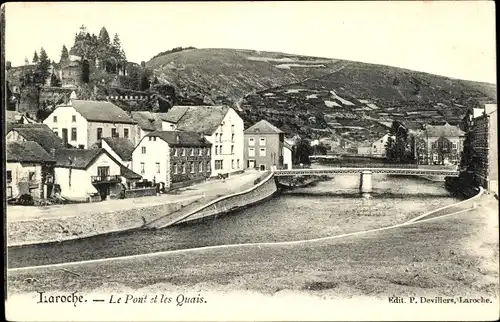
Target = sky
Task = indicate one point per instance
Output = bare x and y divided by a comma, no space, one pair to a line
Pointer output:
454,39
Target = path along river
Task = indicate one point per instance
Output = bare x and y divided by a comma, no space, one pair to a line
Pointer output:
326,209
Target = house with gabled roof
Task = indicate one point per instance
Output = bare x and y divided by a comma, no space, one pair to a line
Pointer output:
83,123
173,158
89,174
220,125
263,146
148,122
29,170
36,132
444,143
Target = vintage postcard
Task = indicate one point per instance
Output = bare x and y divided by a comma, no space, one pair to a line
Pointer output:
250,161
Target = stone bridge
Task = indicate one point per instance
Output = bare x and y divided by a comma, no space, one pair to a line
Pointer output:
365,185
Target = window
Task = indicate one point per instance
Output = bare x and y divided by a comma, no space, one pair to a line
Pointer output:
232,149
99,133
55,131
381,141
454,145
192,152
114,133
174,151
143,150
125,133
172,127
142,168
192,167
183,152
262,152
9,192
220,149
81,146
157,167
251,141
31,176
207,167
218,165
216,137
208,151
73,134
220,138
103,171
73,118
232,138
9,176
175,168
251,152
183,167
238,163
216,150
54,119
200,152
232,128
262,141
200,166
232,164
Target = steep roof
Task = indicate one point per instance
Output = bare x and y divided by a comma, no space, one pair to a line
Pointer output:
27,151
39,133
122,146
101,111
181,138
203,119
263,127
175,113
146,120
129,174
446,130
76,158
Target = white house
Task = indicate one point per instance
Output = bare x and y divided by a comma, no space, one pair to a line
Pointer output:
83,123
85,173
378,146
222,127
173,157
287,156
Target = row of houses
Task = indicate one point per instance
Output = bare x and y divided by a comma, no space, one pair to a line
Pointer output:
433,144
90,150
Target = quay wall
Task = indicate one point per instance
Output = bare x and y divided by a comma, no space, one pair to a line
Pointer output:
264,188
36,231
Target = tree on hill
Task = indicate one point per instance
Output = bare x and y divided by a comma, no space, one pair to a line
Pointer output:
103,47
42,68
64,54
116,49
35,58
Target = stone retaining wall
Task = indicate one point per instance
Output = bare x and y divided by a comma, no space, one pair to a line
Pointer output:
264,189
66,228
134,193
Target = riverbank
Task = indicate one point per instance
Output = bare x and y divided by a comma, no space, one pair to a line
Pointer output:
32,225
449,256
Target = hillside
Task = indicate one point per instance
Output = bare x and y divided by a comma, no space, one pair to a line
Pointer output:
317,96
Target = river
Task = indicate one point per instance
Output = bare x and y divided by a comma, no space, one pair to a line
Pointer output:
326,209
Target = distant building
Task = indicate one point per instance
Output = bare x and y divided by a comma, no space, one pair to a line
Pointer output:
173,158
222,127
29,170
378,146
83,123
443,144
483,141
119,148
364,149
264,145
39,133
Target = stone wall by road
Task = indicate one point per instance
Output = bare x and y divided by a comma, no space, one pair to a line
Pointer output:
72,227
260,191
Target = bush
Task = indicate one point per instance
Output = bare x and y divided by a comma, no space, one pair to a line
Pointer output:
26,200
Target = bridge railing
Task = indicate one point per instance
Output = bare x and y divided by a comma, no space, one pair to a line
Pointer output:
373,165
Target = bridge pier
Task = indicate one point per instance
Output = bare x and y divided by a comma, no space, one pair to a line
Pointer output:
365,183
